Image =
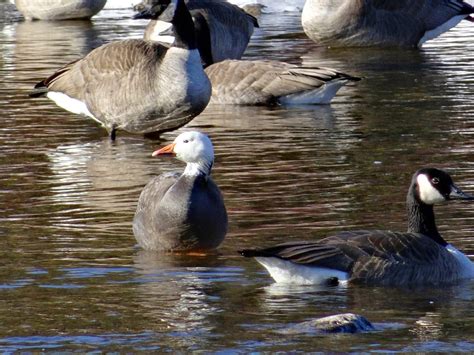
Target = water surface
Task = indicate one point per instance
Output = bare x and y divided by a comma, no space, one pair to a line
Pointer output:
71,277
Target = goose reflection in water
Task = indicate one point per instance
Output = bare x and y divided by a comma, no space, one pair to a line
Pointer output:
180,292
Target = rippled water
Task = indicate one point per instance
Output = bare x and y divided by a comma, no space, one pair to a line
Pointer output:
71,277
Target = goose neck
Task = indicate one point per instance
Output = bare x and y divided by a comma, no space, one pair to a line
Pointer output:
196,169
421,218
183,27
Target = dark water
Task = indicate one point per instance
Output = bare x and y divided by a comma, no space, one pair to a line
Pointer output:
71,277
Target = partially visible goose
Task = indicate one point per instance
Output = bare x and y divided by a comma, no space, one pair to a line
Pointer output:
59,9
135,85
419,256
404,23
265,82
223,30
182,212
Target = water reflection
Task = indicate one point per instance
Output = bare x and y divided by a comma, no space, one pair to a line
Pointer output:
68,195
179,293
39,45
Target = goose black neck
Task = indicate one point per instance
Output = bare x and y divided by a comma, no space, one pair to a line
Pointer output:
183,27
421,218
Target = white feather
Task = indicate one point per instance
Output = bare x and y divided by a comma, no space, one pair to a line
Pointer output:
70,104
284,271
322,95
428,194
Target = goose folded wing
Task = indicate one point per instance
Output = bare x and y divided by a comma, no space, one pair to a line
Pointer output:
106,66
299,79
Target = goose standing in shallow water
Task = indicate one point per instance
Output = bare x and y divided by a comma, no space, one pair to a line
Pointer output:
182,212
135,85
267,82
404,23
417,257
223,30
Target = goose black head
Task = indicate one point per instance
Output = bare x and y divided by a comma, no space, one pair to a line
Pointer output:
163,10
434,186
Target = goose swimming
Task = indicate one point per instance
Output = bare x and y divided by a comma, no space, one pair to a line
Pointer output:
182,212
267,82
59,9
135,85
420,256
402,23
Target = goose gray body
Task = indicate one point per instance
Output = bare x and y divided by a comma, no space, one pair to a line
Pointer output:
404,23
223,30
418,257
134,85
177,212
181,212
59,9
263,82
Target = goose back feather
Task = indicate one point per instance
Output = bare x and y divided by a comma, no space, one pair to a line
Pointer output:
262,82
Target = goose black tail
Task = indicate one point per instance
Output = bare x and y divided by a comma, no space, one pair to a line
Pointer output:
39,90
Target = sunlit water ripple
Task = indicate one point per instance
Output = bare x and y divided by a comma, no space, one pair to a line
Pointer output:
71,277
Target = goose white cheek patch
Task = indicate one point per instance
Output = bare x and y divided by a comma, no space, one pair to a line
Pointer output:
428,194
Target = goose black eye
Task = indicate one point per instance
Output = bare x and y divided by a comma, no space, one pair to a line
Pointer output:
185,141
435,180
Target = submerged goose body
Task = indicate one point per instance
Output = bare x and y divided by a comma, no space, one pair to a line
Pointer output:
59,9
135,85
223,30
182,212
264,82
404,23
418,257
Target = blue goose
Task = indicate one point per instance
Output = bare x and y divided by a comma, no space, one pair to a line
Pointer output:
135,85
59,9
182,212
223,30
269,82
418,257
404,23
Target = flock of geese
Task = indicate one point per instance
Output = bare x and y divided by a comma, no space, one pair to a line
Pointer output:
148,87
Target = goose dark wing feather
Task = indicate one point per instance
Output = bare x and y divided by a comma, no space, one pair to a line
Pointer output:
343,250
427,14
305,253
396,246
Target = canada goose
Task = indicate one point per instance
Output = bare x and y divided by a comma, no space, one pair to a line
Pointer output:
59,9
223,30
403,23
135,85
182,212
261,82
419,256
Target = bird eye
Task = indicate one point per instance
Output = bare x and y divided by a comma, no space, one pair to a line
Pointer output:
185,141
435,180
